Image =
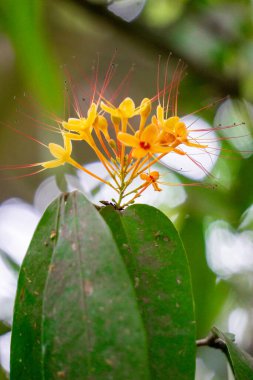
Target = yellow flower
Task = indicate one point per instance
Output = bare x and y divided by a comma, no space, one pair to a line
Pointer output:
61,154
81,126
143,143
145,109
101,124
125,110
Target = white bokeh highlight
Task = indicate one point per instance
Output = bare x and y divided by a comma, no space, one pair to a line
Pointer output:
18,221
238,321
237,115
171,196
128,10
229,252
202,372
5,343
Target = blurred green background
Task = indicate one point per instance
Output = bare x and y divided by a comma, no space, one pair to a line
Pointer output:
41,40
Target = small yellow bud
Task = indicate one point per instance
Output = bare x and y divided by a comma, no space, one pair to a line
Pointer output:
112,144
145,107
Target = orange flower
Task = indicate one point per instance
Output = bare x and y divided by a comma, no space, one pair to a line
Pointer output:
143,143
151,179
173,131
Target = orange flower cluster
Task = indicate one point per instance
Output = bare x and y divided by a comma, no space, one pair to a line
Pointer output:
124,152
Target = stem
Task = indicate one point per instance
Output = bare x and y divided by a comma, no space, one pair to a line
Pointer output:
213,341
151,163
133,191
122,153
144,187
122,189
105,162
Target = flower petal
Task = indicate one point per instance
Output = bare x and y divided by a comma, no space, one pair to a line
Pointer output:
56,150
73,136
67,145
195,145
111,110
127,108
162,149
92,114
52,164
171,122
145,107
150,134
181,130
159,113
139,152
76,125
127,139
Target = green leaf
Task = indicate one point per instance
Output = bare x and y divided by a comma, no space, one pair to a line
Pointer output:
240,361
4,328
26,359
157,264
76,316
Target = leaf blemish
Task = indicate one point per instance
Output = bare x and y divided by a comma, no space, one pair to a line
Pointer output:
61,374
51,268
136,282
126,246
109,362
88,288
53,235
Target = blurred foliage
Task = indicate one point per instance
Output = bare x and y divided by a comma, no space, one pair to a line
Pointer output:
23,23
213,37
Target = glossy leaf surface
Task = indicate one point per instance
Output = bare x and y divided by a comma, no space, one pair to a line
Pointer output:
76,316
157,264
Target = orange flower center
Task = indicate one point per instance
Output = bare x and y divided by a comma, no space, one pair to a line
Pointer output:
167,138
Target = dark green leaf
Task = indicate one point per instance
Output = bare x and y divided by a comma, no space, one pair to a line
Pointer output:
157,264
240,361
75,315
26,362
